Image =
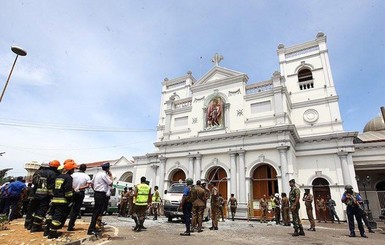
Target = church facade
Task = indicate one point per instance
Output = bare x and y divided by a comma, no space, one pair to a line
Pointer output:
252,138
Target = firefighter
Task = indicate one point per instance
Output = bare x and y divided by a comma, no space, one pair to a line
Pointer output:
43,181
62,199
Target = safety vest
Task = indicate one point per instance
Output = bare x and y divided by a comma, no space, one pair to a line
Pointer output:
142,194
156,197
273,205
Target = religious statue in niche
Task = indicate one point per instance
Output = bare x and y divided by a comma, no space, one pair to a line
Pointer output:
215,114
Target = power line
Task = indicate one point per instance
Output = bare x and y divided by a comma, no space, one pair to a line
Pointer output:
22,148
71,127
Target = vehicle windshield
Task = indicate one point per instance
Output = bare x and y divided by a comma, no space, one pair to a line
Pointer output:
177,188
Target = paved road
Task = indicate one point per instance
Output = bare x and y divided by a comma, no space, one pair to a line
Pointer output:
237,232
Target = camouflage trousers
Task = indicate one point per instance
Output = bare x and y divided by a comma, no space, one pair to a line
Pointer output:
296,220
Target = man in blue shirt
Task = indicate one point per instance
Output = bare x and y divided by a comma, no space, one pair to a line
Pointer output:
14,190
186,206
353,209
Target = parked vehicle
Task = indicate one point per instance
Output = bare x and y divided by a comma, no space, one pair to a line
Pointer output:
88,202
113,203
171,201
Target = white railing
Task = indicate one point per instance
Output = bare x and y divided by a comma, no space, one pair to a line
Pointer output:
182,103
176,85
302,51
306,85
259,87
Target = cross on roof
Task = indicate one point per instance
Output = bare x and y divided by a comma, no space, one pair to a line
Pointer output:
216,59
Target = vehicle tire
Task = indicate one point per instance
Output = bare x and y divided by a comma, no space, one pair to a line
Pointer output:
169,219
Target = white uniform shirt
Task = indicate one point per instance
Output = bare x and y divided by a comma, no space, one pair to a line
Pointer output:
80,179
101,182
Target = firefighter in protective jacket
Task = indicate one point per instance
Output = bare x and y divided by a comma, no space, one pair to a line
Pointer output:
43,182
62,199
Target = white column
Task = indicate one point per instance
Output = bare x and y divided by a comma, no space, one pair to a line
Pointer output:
155,167
284,168
190,173
161,170
233,172
345,168
242,178
197,167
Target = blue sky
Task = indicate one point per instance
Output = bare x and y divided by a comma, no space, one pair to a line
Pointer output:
98,65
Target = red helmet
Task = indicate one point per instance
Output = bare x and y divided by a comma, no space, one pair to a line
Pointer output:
54,163
70,165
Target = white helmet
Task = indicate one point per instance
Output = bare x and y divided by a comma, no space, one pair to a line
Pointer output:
276,195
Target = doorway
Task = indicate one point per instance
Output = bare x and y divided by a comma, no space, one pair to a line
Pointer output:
321,188
264,182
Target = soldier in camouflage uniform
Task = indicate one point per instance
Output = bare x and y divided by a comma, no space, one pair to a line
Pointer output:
294,197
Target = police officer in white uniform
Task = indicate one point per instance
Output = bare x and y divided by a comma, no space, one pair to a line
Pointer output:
80,181
101,183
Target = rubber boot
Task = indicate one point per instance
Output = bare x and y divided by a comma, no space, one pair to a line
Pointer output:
47,227
295,232
28,224
301,232
37,228
54,234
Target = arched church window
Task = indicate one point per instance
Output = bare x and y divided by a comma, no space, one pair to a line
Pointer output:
320,182
305,79
380,186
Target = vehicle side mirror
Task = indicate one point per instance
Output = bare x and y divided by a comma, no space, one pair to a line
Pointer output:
165,191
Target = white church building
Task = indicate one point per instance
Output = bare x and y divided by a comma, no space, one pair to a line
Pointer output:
252,138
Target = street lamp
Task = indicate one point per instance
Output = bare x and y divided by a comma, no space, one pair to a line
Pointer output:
18,51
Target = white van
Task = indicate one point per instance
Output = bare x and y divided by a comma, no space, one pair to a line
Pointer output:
113,203
171,201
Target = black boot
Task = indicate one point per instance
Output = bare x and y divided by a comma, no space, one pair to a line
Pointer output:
295,232
136,223
27,223
37,228
301,232
370,230
54,234
47,227
142,226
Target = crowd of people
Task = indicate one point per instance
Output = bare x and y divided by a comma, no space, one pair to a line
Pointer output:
325,209
56,194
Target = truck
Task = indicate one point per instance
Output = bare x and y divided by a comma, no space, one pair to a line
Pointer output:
172,199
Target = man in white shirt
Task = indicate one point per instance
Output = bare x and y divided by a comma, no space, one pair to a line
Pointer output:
81,181
101,183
